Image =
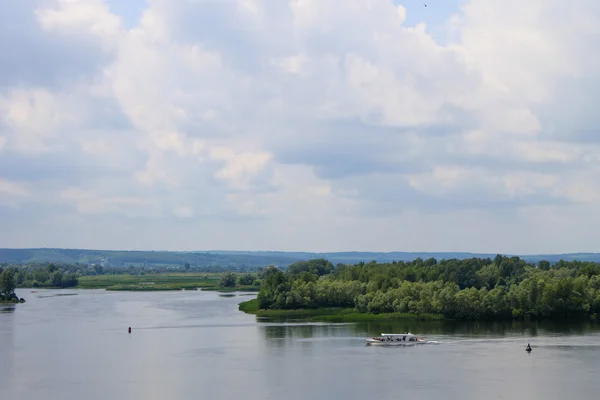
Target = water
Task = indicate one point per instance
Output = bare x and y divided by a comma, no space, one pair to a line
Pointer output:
189,345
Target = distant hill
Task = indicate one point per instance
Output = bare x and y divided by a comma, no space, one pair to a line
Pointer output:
242,258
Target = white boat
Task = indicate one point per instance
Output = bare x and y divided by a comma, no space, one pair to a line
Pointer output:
395,339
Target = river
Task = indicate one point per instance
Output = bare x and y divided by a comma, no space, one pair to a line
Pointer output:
74,344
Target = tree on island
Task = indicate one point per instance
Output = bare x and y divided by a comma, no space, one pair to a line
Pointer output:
7,285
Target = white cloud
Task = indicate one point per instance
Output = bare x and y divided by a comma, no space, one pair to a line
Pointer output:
92,202
12,193
77,17
32,117
241,168
8,188
183,212
313,124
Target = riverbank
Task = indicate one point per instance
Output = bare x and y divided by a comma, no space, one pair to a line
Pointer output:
331,314
14,300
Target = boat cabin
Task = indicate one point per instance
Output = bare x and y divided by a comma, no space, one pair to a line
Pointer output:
397,337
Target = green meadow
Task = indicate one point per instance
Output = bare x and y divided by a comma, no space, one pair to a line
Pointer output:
159,282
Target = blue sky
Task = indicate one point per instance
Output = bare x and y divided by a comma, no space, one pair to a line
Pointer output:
312,125
130,10
435,15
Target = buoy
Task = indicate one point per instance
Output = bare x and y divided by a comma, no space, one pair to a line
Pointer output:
129,329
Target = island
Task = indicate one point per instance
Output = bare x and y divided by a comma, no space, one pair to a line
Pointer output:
7,287
463,289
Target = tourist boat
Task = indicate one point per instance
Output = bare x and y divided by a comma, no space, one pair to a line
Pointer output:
395,339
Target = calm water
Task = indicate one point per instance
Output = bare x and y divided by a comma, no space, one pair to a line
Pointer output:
191,345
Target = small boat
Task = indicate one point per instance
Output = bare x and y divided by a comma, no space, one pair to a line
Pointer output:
395,339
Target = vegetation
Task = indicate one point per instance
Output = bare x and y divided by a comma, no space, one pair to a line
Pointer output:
471,289
48,275
165,281
328,314
7,286
228,279
56,275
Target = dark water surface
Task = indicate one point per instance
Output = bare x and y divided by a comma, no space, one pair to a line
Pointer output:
196,345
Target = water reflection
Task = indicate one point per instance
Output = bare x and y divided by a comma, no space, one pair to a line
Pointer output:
7,309
283,331
456,329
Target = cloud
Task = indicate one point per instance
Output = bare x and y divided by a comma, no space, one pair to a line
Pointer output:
299,125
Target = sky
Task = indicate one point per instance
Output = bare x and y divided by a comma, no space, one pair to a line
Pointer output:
300,125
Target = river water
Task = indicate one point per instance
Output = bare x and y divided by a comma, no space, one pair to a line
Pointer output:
74,344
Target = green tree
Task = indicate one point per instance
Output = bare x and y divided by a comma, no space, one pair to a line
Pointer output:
57,278
41,275
319,267
268,270
21,275
7,284
544,265
498,260
69,280
246,279
228,279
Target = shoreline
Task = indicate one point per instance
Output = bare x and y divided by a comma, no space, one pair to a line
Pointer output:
340,314
9,302
332,314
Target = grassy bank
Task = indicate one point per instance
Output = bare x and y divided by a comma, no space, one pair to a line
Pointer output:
239,288
331,314
158,282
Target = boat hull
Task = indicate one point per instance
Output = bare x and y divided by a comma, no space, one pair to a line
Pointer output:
374,342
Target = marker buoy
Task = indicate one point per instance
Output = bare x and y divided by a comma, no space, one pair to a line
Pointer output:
129,329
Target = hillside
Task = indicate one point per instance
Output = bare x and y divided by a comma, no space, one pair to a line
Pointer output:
242,258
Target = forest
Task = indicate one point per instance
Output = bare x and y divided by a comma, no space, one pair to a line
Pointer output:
470,289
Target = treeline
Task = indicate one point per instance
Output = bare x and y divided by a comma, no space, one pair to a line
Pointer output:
475,288
67,274
61,275
50,275
230,279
